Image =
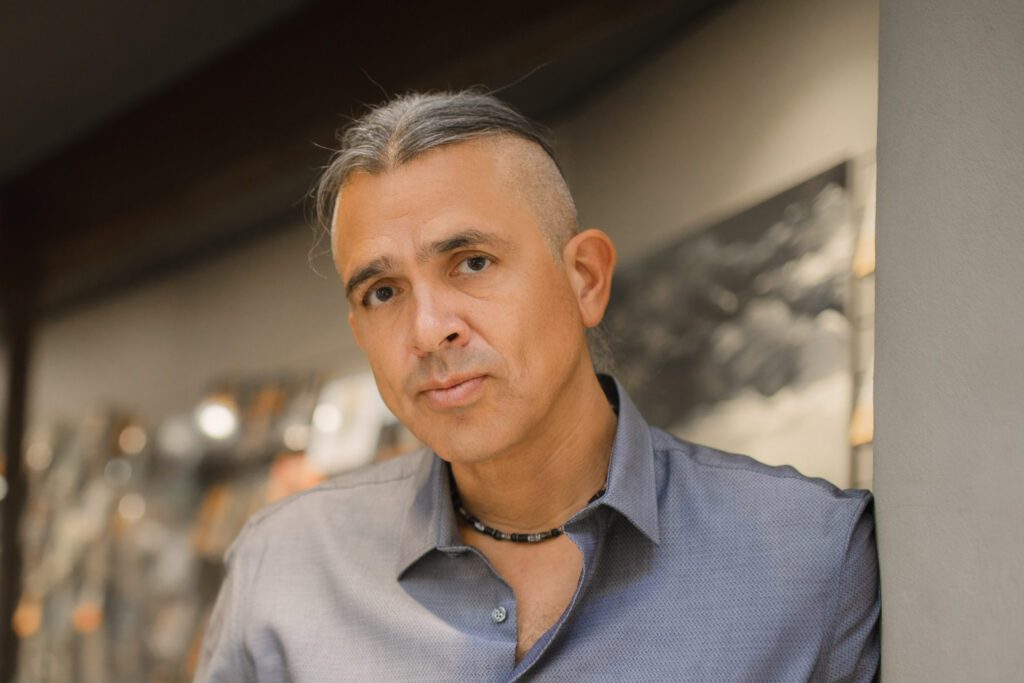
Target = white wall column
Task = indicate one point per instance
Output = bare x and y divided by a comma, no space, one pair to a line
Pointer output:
949,392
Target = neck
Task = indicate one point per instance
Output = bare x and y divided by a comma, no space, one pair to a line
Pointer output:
544,482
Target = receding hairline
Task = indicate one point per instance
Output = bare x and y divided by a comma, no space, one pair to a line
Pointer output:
526,167
398,131
539,182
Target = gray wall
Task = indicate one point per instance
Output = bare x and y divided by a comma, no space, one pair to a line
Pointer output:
949,448
259,312
762,97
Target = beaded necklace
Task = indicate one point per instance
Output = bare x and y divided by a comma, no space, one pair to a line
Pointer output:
499,535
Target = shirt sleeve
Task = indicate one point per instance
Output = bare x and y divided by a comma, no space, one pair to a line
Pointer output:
852,653
223,657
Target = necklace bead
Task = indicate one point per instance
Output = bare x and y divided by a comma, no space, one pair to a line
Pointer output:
500,535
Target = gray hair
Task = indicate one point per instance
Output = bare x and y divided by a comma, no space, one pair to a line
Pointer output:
398,131
402,129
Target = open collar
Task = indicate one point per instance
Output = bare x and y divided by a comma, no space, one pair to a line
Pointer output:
430,518
430,523
631,487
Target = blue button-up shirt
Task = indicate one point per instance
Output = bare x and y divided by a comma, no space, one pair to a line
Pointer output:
697,566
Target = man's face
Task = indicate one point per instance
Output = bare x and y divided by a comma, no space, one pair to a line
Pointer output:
469,321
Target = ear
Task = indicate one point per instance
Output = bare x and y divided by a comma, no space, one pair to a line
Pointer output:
589,259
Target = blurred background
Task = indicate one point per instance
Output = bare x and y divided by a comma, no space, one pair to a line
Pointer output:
176,353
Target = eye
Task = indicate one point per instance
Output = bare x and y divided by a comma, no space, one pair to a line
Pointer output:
474,264
378,295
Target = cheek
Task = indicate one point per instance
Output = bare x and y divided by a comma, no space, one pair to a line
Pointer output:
384,387
544,327
390,384
382,347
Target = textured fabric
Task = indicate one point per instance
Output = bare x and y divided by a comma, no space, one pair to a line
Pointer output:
698,566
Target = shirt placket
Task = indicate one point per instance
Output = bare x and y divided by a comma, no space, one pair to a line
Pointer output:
585,532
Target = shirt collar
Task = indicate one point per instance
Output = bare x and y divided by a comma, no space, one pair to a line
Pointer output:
430,519
630,487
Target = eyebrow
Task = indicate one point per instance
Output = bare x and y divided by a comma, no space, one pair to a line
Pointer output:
376,267
460,240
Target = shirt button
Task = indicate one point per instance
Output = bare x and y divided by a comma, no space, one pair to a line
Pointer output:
499,614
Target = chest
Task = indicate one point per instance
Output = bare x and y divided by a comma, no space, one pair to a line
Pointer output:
638,610
543,577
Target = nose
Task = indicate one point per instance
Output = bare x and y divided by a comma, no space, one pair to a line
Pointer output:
437,324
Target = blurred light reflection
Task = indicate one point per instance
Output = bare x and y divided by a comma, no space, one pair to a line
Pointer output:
38,456
132,507
217,419
132,440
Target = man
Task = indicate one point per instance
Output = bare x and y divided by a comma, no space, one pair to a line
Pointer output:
547,531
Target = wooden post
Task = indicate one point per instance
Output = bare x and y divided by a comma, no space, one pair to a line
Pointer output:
18,285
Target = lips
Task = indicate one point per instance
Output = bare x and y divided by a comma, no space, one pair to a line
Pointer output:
454,392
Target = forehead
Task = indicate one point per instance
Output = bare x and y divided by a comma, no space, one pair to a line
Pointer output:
451,188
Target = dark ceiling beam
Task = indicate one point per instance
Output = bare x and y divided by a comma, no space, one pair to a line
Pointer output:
236,145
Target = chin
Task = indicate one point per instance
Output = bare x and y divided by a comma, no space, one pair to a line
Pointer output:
464,444
470,434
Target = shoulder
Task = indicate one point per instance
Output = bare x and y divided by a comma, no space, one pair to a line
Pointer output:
372,490
800,540
720,495
747,476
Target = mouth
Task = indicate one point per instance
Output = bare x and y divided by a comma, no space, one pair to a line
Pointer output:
454,392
